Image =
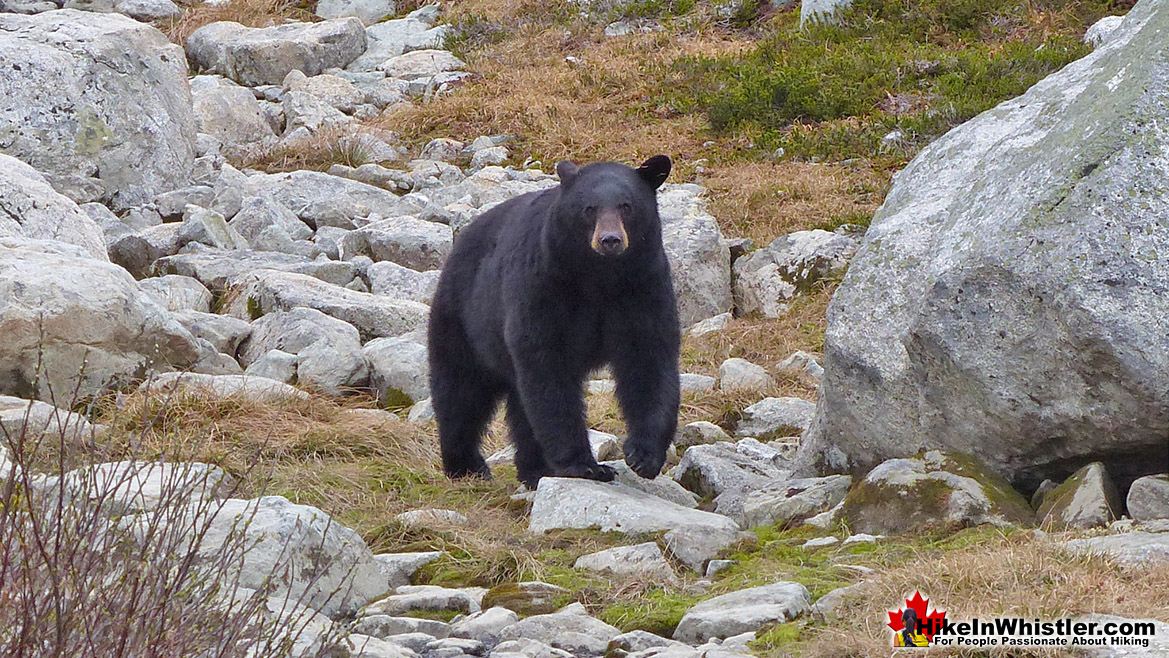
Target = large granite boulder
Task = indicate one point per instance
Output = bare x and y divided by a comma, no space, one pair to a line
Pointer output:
82,312
31,208
96,96
264,55
1009,299
700,264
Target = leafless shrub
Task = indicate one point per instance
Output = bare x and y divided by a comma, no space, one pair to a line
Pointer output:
89,568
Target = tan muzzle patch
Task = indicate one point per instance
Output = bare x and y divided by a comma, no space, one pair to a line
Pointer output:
609,237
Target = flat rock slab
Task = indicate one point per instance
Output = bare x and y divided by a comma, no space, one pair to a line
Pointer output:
743,611
644,561
773,418
412,598
578,634
787,501
576,503
259,389
1134,548
263,56
215,268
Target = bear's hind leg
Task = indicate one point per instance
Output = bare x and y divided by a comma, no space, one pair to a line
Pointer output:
529,458
464,397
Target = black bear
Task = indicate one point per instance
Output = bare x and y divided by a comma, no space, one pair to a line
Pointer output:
537,292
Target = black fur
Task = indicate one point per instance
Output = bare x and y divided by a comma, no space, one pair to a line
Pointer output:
526,307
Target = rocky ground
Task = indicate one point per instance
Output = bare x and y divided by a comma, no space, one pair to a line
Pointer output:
226,349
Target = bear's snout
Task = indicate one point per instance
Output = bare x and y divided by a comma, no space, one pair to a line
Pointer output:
609,236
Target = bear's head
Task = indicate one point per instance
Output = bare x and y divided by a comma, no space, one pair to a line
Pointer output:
608,210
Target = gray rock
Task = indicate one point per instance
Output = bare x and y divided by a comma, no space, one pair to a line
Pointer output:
1148,498
412,598
821,11
578,634
828,606
710,325
700,264
328,350
35,419
369,11
97,96
635,641
361,646
224,332
737,374
772,418
486,626
335,91
401,567
303,110
934,488
785,502
315,196
642,561
976,307
802,362
700,433
1087,499
694,545
726,471
258,389
31,208
421,64
229,113
321,563
178,293
661,486
389,39
258,56
422,412
399,370
131,487
383,626
267,291
405,240
148,10
210,228
390,279
496,155
1102,30
715,566
1137,548
215,269
274,364
172,204
442,149
742,611
576,503
425,518
691,383
767,280
90,312
259,213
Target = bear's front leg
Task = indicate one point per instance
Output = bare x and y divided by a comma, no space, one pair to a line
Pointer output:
645,365
553,402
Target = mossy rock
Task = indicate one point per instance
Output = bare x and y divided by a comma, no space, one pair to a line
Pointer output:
1087,499
930,490
528,598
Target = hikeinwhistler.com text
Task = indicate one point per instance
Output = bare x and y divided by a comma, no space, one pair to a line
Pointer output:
1010,632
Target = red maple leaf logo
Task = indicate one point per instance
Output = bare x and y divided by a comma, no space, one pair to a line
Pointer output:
931,622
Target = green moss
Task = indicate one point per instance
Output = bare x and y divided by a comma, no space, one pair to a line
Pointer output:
255,311
658,612
92,134
436,615
524,601
396,400
777,637
833,91
1010,502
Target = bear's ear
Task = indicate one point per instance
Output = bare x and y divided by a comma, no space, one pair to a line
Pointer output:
567,171
655,170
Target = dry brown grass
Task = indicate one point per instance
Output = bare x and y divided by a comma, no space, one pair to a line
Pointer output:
250,13
1021,574
322,150
763,200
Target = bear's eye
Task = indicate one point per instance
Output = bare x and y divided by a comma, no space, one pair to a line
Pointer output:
625,207
589,211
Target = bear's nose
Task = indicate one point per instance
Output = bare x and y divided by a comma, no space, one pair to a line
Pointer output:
611,243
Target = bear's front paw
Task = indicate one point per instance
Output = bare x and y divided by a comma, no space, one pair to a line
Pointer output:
646,463
598,472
